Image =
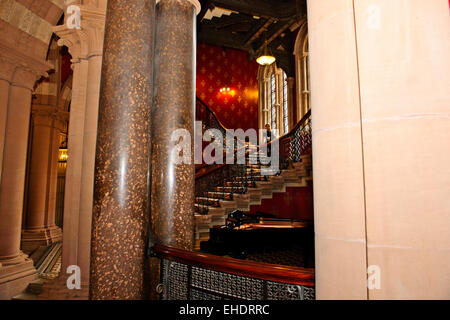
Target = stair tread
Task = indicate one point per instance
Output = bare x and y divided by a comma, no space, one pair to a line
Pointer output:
26,296
248,190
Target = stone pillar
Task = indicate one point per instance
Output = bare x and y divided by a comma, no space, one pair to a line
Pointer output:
86,48
172,191
121,198
291,106
380,148
40,228
6,71
16,269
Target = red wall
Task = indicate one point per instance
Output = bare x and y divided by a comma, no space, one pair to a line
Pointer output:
295,203
219,67
66,69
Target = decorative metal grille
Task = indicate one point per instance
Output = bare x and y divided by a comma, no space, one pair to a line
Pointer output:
174,280
301,141
225,181
183,282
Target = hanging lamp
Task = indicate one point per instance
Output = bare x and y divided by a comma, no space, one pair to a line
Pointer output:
266,58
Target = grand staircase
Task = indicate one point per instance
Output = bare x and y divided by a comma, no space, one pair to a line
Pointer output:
220,189
241,192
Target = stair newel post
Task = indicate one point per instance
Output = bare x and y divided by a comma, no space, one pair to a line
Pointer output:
233,175
224,179
241,176
243,173
252,177
235,170
249,178
206,186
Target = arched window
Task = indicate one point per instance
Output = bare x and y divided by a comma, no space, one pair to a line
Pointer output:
301,53
285,104
273,98
273,101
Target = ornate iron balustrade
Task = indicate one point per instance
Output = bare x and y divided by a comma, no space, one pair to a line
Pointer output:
225,181
236,178
231,178
297,142
208,118
187,275
220,176
301,140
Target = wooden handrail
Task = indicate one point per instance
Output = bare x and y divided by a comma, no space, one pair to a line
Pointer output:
213,113
211,169
218,166
300,123
215,116
245,268
290,133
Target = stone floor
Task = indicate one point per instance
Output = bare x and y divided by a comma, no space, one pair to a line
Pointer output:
47,261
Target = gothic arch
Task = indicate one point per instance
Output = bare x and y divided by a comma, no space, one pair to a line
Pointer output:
302,87
273,98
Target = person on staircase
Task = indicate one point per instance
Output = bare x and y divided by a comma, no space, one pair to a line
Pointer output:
268,139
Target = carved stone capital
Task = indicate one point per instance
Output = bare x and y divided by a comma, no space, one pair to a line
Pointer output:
87,41
50,116
6,69
20,69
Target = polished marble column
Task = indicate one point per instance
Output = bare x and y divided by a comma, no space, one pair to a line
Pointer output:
172,190
121,200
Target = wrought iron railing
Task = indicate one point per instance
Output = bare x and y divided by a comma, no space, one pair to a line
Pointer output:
208,118
226,180
297,142
187,275
217,182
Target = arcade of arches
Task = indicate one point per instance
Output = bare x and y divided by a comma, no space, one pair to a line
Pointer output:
86,116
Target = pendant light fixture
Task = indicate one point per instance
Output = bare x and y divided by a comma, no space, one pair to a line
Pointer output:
266,58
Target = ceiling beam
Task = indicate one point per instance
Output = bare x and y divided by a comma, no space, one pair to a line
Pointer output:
261,8
205,5
226,21
301,7
283,27
259,31
221,38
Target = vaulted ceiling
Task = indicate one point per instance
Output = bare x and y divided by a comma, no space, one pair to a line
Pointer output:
247,24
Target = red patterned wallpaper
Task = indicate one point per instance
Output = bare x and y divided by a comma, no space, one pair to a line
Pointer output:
219,67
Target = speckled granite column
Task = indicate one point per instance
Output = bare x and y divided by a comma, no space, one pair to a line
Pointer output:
120,213
172,189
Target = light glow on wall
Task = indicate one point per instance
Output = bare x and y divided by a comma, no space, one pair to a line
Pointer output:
227,91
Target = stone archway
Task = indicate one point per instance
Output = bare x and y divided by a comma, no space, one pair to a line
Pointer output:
25,38
25,31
